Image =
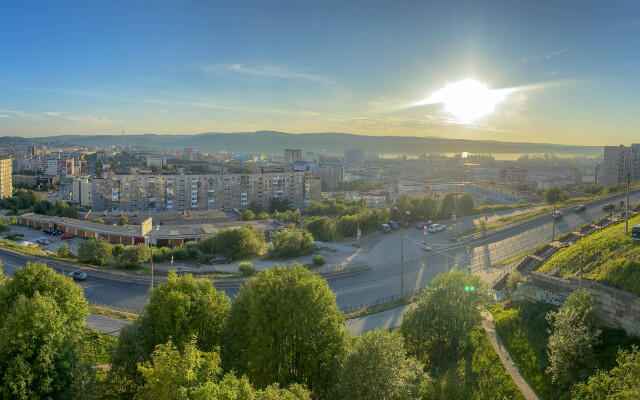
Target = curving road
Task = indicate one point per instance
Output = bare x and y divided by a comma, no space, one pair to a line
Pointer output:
382,281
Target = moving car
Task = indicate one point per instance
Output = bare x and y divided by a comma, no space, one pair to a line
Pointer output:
385,228
394,225
43,240
557,214
78,275
608,207
66,236
580,209
221,260
437,228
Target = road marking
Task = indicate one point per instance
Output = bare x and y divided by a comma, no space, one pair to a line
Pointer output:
356,289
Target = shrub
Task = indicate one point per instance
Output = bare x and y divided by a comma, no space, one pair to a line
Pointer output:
514,279
248,215
262,215
318,260
133,256
95,251
123,221
246,268
118,249
244,242
63,250
291,243
98,220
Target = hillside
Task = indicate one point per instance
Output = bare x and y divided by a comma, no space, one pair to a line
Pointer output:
334,143
610,257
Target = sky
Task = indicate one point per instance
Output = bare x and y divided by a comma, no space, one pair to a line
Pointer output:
570,70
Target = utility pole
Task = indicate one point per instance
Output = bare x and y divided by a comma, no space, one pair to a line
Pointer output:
553,237
358,228
626,206
402,261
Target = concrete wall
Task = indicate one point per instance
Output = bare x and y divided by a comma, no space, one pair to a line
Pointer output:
615,308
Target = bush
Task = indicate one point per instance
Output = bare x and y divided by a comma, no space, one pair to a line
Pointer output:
262,216
133,256
63,250
95,251
322,228
513,280
248,215
98,221
241,243
246,268
118,249
291,243
123,221
318,260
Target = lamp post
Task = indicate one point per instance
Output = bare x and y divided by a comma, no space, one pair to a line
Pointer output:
402,252
151,257
581,262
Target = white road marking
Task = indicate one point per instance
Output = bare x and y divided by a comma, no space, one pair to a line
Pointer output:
356,289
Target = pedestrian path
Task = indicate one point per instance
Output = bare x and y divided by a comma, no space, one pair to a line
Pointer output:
107,325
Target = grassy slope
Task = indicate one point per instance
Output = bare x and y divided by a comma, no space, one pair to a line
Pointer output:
524,331
610,257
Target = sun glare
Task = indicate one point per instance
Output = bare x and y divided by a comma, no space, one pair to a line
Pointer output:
467,100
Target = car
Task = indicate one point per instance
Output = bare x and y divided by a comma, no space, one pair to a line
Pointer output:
394,225
422,224
221,260
404,224
49,231
608,207
557,214
385,228
436,228
43,240
66,236
580,209
57,232
78,275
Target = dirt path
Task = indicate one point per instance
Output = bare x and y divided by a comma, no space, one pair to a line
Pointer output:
508,363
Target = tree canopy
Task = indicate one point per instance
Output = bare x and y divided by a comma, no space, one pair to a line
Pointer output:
285,327
95,251
622,382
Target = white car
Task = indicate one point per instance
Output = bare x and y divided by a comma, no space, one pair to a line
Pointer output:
43,240
436,228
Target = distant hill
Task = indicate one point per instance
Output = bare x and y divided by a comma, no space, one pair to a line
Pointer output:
269,142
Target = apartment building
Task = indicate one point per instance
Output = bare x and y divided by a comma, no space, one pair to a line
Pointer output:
81,192
291,155
6,187
618,161
157,192
354,156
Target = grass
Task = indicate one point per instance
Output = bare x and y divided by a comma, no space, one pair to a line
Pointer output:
524,331
123,316
609,256
477,373
95,348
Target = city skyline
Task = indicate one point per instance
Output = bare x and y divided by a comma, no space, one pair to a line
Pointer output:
566,74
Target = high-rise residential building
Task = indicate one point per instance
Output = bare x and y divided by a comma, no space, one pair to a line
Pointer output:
354,156
330,175
618,162
81,192
157,192
6,187
187,154
292,155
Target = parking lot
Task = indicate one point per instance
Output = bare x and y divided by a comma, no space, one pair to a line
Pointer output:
32,235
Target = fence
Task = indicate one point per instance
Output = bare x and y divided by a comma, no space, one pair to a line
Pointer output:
381,300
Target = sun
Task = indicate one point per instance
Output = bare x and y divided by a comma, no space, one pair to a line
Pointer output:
467,100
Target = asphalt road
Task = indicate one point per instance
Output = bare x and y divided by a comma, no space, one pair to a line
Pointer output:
382,281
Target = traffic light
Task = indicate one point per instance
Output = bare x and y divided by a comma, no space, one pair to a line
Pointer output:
469,288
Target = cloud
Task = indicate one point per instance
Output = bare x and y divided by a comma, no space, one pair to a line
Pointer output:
4,116
52,114
264,69
20,113
88,119
546,56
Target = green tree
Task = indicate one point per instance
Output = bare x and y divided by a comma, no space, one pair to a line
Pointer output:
246,268
622,382
68,212
95,251
256,207
573,335
291,243
38,278
133,256
375,367
447,207
248,215
281,205
262,216
179,309
98,221
37,351
244,242
285,327
347,226
322,228
554,195
63,250
446,313
466,204
514,278
123,221
193,374
42,207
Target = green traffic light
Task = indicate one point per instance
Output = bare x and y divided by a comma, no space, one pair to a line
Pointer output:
472,288
466,288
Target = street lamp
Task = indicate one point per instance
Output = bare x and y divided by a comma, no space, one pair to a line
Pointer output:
402,252
148,238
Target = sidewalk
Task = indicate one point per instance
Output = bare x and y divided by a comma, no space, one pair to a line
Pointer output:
106,325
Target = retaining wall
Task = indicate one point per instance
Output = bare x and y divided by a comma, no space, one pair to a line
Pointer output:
615,308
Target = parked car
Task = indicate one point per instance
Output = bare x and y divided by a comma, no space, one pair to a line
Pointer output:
404,224
78,275
66,236
394,225
557,214
49,231
608,207
385,228
436,228
44,240
580,209
221,260
422,224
